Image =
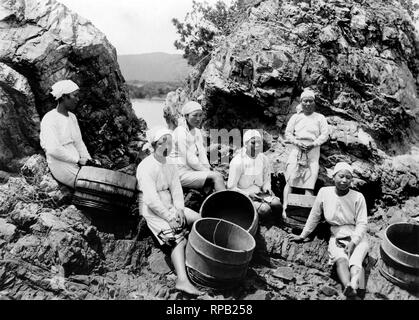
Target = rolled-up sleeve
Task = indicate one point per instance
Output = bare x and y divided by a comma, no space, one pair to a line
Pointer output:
315,215
51,145
324,132
361,220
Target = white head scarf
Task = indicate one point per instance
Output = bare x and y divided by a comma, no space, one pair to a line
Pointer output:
63,87
191,106
249,134
308,93
342,166
154,134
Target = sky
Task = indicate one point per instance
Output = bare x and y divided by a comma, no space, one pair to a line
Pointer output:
138,26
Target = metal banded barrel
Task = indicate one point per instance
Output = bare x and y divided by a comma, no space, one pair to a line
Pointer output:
231,206
104,189
400,255
218,253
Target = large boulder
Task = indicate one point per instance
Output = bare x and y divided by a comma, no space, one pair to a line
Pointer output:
362,59
42,42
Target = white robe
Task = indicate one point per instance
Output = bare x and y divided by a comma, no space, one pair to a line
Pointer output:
347,216
162,194
312,128
62,142
190,156
248,174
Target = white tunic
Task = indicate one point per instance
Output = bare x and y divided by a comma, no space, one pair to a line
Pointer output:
347,216
62,142
190,156
162,193
312,128
248,174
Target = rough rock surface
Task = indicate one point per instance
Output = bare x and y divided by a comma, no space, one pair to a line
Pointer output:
49,249
362,60
42,42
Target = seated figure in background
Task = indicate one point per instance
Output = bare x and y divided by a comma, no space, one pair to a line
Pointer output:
250,173
163,205
60,135
346,212
190,154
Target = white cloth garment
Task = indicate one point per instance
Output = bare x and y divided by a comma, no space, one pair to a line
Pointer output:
62,142
62,87
347,216
342,166
162,194
190,107
249,175
312,128
190,156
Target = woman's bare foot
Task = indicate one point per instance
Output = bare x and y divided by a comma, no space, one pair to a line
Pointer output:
186,286
349,292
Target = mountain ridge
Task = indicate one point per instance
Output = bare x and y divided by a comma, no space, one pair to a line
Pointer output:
154,67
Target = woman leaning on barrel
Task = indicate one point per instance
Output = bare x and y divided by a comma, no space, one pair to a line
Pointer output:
307,130
163,204
346,212
60,135
190,154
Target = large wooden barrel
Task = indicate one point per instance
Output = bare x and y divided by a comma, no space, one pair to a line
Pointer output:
400,255
218,253
104,189
232,206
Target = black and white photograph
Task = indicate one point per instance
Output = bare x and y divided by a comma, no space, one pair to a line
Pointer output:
213,157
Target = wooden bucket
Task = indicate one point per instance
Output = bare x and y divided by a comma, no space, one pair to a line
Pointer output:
231,206
400,255
104,189
218,253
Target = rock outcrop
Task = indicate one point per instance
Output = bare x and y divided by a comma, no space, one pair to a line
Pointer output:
360,57
42,42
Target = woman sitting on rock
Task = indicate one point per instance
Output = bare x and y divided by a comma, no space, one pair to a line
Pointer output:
163,204
346,212
189,152
250,173
306,131
60,135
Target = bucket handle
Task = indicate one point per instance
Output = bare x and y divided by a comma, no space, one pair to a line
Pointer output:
215,231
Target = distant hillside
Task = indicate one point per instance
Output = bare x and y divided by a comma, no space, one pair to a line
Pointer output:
156,66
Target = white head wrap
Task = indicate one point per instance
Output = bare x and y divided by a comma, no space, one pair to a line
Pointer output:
308,93
249,134
63,87
191,106
342,166
154,134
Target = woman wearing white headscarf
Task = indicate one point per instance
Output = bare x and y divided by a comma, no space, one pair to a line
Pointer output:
163,205
189,152
60,135
306,131
250,173
346,212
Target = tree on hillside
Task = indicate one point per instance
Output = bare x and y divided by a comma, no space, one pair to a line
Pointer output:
203,28
412,7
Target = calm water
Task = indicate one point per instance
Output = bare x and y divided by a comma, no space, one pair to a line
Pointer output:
150,110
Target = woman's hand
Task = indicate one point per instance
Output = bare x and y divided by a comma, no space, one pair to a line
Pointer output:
349,249
82,161
173,223
180,216
266,190
298,239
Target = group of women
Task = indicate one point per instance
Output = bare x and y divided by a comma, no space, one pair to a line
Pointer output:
179,160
